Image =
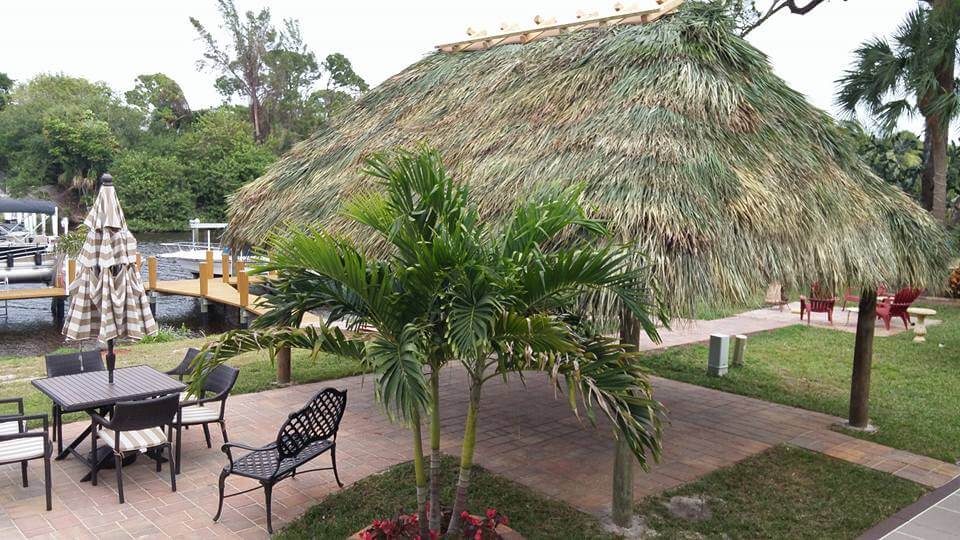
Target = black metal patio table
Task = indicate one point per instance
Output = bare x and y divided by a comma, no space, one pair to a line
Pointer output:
92,392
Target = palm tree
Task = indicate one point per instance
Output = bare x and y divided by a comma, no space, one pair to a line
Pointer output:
455,289
914,74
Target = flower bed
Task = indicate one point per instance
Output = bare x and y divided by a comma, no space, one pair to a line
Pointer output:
407,527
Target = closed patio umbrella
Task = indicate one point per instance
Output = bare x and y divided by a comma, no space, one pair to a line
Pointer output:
107,299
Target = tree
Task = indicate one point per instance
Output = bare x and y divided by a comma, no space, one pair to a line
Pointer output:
747,17
914,74
276,72
6,86
219,155
81,147
153,190
35,145
162,101
499,301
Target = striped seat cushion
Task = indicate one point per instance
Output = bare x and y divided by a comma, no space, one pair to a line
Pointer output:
187,396
9,428
195,414
21,449
140,439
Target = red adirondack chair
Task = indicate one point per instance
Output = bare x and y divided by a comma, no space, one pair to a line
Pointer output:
850,297
897,307
818,302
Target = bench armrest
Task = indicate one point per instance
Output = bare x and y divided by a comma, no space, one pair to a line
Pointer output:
17,400
23,419
227,446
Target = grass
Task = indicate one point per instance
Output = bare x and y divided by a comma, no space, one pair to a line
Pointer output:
785,492
256,373
393,492
913,396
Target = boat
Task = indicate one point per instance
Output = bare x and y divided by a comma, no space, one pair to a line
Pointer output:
204,237
26,249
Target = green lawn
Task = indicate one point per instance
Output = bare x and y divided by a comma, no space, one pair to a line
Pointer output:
785,492
256,371
393,492
914,399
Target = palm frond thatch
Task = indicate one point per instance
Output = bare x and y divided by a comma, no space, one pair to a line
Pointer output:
686,141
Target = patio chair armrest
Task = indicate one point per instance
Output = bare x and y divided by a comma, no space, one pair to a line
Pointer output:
17,400
99,420
24,435
26,418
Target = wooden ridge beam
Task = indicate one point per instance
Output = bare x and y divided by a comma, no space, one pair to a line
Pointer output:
549,27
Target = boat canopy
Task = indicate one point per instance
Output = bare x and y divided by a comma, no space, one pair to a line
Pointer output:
27,206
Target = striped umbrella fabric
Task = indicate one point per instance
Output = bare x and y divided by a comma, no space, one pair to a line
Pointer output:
107,298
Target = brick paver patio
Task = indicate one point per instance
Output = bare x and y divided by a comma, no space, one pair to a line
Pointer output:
524,434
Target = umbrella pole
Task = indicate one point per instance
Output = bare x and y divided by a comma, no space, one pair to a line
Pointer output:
111,361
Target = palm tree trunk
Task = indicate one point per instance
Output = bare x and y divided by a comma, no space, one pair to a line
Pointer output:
435,513
938,154
622,507
421,476
862,360
466,460
926,176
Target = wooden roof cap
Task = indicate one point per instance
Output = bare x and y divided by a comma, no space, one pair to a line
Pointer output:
548,26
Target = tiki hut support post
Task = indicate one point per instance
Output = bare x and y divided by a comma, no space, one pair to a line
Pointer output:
862,360
283,366
622,507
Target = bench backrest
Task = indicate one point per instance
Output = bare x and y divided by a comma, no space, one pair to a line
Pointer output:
318,420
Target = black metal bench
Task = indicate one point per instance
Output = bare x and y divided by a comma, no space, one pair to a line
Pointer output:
306,434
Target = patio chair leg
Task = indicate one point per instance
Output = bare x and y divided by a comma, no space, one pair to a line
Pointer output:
159,459
206,435
173,468
23,473
93,452
118,460
179,442
223,478
53,415
333,458
267,493
48,491
59,431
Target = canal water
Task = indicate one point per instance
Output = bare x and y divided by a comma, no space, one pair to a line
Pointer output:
30,329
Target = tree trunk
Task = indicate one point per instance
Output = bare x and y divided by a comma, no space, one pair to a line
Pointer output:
421,476
258,136
466,461
938,155
926,176
435,514
283,365
862,359
622,508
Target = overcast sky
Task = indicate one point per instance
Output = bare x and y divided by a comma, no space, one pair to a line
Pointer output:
116,40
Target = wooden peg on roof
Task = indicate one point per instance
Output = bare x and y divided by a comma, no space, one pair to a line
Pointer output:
473,32
509,27
581,14
541,20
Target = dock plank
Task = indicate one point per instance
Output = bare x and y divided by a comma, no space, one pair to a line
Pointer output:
29,294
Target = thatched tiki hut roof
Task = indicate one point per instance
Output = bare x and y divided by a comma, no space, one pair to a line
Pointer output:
685,139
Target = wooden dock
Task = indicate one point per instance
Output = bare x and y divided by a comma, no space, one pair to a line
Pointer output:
233,291
30,294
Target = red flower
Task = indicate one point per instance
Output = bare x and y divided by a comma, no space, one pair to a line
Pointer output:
491,513
479,535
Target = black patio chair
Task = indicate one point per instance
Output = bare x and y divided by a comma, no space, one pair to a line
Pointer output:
183,368
137,426
306,434
59,365
18,445
204,410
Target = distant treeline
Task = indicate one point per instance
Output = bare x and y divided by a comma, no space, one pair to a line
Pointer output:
59,133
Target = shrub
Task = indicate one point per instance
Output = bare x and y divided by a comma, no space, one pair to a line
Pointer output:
153,191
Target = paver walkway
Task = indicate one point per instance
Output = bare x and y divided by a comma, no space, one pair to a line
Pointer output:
525,434
936,516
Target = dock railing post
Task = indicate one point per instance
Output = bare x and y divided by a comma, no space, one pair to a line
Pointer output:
209,264
243,287
71,272
138,262
152,283
205,270
225,267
